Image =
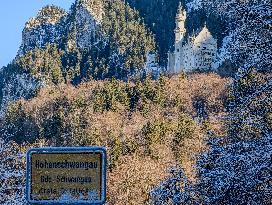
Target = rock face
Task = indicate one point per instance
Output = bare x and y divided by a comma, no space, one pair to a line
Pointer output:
54,25
46,27
94,7
84,20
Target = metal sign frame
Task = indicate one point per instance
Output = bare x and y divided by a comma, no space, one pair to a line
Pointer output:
66,150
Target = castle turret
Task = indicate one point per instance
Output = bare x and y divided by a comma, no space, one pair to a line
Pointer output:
179,37
180,24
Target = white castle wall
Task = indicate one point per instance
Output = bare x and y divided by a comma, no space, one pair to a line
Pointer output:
198,53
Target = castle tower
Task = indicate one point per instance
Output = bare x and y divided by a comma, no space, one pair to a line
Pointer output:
180,24
179,38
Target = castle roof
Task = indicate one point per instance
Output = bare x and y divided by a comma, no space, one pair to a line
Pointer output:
204,35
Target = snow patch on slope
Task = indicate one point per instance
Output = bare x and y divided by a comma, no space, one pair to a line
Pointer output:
88,17
94,7
47,27
47,15
20,86
194,5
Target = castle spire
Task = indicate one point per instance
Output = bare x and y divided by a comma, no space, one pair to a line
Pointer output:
180,8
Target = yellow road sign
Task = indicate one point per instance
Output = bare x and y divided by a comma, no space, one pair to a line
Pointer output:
66,175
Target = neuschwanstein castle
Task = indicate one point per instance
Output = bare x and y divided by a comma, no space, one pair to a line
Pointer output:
193,53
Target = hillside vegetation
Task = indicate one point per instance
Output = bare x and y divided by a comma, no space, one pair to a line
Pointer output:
198,138
147,127
235,169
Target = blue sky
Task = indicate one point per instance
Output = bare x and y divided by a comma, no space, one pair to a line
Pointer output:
13,15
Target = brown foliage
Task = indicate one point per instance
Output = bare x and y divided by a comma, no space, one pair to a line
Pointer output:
141,143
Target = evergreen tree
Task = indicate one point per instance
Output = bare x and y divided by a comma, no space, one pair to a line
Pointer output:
127,42
237,168
247,28
249,104
44,64
159,15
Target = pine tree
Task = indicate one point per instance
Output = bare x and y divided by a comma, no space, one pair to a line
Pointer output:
249,104
129,40
44,64
236,168
159,15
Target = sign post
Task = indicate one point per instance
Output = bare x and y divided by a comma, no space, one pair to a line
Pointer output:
66,175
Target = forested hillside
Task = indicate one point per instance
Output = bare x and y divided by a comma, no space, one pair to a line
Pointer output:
60,47
147,127
236,167
78,79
